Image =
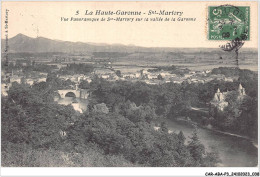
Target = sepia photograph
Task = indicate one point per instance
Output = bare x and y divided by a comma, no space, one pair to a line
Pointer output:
130,84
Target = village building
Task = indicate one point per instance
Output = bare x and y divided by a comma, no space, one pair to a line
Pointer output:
219,99
15,78
4,89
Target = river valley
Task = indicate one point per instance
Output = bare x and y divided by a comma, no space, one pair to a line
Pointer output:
233,151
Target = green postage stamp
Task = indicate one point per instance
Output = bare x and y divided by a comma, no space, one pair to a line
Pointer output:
229,22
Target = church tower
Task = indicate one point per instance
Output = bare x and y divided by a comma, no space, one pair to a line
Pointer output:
241,90
77,86
219,100
218,96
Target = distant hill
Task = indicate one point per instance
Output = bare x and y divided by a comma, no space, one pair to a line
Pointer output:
23,44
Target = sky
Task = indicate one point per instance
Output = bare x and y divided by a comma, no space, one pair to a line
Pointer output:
44,19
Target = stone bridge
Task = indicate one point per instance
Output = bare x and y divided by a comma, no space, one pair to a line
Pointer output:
80,93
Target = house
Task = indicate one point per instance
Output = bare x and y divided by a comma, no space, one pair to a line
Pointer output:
105,76
219,99
165,74
4,89
15,79
29,81
228,79
207,71
137,75
129,76
152,76
41,79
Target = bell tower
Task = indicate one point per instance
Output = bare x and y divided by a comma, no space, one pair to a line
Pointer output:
241,90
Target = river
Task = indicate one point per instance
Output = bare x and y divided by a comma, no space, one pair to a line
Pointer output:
78,104
233,151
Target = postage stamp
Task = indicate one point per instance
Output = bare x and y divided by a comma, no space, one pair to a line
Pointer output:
227,22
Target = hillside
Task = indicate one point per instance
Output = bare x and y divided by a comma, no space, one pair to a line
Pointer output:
24,44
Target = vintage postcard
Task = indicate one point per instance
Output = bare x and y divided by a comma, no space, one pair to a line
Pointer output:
130,84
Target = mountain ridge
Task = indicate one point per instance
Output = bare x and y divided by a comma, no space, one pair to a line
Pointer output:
22,43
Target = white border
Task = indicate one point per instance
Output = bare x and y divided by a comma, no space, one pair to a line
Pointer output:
129,171
118,171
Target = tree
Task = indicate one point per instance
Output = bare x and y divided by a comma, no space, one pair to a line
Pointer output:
231,97
118,73
101,108
159,77
84,84
164,127
30,118
211,159
196,148
181,137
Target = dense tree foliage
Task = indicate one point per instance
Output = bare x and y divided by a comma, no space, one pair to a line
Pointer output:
28,67
119,120
174,100
84,84
29,116
241,114
31,119
55,83
71,69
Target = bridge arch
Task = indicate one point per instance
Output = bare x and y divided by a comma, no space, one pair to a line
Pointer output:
82,93
70,94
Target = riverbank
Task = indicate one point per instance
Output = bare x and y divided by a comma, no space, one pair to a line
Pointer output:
233,151
254,142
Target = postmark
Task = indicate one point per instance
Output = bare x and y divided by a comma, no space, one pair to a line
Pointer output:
227,22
